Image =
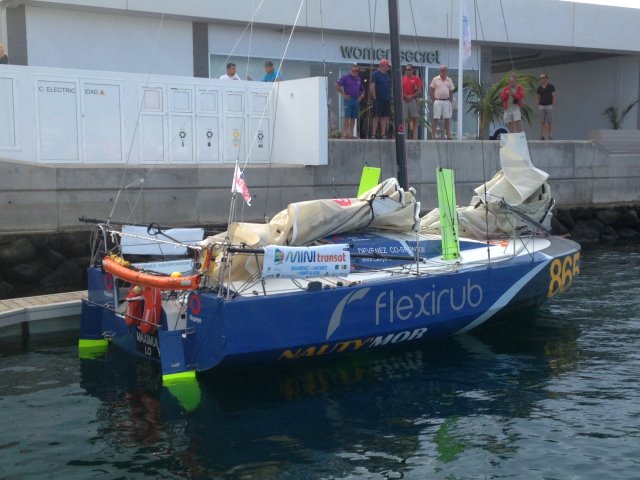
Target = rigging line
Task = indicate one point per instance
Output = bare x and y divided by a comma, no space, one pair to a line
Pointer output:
246,73
137,124
270,164
371,107
506,31
284,54
415,29
328,105
233,49
485,206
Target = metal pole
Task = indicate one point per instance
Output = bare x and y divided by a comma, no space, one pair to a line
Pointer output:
398,104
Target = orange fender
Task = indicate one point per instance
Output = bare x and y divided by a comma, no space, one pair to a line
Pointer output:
163,282
133,313
152,310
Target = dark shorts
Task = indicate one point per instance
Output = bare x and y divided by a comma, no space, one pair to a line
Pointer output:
382,108
351,107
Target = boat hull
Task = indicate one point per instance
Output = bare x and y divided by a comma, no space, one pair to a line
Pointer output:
258,329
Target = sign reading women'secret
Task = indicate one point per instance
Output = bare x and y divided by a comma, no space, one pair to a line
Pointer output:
319,261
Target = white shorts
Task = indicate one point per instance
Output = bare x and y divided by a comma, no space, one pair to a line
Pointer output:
511,114
441,109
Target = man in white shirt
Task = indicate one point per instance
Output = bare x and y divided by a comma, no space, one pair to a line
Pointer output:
441,90
231,73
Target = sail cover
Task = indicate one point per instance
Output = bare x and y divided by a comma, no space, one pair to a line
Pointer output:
385,207
519,184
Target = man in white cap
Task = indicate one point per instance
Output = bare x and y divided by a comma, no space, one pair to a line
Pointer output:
380,93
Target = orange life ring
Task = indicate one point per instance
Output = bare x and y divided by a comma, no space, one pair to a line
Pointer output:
152,309
134,300
163,282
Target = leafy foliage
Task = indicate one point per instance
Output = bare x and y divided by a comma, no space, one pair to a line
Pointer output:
615,119
486,104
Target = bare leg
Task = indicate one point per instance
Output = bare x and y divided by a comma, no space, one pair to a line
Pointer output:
383,126
345,128
414,129
434,128
447,127
518,126
374,126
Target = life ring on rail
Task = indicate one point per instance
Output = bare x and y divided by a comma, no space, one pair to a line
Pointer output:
163,282
152,309
134,299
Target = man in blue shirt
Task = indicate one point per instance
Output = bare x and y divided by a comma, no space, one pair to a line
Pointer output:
380,93
351,88
271,74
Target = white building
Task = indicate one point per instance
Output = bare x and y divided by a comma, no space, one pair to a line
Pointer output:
591,53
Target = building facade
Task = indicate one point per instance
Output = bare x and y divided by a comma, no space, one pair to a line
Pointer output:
591,53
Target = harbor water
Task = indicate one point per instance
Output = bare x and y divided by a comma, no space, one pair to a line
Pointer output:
553,395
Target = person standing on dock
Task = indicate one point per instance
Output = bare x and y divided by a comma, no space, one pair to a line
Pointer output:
546,100
512,97
441,91
351,88
380,93
412,90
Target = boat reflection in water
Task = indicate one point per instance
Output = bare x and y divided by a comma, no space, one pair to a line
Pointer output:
379,409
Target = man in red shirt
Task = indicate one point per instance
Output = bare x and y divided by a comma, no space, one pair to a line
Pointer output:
412,88
512,97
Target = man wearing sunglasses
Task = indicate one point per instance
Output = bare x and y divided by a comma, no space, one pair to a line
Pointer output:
412,88
546,100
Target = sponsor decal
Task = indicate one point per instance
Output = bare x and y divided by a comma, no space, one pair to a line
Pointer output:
343,202
108,281
390,306
354,345
300,262
195,304
108,285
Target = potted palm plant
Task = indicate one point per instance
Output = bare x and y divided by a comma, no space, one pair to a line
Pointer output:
616,118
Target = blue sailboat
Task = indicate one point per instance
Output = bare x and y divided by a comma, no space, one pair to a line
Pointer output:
329,277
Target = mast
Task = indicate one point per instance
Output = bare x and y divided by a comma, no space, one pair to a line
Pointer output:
461,14
396,82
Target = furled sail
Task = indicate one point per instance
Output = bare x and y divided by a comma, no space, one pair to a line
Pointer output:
519,187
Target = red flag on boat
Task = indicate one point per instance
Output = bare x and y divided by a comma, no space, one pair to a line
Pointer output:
240,186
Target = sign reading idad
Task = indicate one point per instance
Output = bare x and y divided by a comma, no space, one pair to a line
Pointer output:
318,261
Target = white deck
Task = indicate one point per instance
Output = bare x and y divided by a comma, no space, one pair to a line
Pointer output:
43,307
